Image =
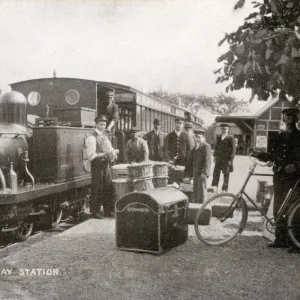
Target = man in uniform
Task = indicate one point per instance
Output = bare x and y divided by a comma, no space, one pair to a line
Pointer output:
155,140
223,157
110,110
198,166
101,153
136,149
178,145
284,155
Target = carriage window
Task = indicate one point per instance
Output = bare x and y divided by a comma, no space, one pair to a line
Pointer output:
72,97
151,118
159,115
143,125
148,119
138,116
125,121
165,122
33,98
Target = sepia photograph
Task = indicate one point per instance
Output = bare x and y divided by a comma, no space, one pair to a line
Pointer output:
149,149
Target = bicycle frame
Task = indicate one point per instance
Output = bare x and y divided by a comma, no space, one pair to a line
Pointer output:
282,207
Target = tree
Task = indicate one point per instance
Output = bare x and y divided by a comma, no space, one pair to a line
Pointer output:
220,104
264,52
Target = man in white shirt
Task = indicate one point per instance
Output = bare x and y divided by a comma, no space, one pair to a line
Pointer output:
100,152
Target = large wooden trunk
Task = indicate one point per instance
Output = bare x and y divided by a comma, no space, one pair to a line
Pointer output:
152,221
58,153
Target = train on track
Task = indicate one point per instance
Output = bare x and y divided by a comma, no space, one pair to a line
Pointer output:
44,123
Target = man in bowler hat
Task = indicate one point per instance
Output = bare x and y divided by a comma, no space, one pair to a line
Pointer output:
223,157
100,152
155,141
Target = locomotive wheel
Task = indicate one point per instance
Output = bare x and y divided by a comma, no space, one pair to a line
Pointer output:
24,230
56,219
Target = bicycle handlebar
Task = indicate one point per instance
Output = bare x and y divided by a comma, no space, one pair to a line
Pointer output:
257,161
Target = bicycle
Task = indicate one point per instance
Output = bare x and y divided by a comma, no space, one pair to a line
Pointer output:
229,214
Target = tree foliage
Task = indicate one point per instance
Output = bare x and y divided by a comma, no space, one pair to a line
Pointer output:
264,52
220,104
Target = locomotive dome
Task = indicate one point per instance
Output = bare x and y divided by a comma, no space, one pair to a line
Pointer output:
13,108
13,98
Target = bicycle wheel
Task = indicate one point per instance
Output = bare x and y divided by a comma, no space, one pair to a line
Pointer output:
293,224
220,219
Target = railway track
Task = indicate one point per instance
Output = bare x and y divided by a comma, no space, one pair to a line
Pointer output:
12,246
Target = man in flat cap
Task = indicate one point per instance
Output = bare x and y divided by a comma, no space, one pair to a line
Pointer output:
136,149
223,157
110,110
178,145
284,156
198,166
100,152
155,141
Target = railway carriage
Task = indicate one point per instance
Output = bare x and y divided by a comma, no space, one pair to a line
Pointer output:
44,126
77,101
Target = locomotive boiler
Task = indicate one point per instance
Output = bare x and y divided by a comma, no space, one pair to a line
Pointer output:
44,173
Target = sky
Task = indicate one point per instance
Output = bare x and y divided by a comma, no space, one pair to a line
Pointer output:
146,44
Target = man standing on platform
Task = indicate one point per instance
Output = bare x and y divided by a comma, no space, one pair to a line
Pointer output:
155,141
136,149
178,145
223,157
198,166
100,152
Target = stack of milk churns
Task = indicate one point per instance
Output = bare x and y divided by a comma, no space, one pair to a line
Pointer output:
139,177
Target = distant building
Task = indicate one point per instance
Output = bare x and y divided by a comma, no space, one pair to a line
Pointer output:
255,131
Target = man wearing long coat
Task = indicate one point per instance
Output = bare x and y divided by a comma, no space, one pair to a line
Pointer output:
223,157
198,167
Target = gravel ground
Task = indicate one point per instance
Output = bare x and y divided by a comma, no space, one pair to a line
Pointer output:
90,266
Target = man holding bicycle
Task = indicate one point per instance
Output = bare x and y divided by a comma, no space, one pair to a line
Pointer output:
284,156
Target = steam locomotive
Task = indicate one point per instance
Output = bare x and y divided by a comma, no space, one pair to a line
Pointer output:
44,123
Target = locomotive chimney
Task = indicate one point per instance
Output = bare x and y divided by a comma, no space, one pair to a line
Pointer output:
13,108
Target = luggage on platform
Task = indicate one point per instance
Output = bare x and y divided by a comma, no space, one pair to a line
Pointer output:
152,221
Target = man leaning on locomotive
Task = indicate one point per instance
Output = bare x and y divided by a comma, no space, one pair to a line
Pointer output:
101,153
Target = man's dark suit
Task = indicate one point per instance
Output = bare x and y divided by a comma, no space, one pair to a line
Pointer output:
178,148
199,163
155,141
224,154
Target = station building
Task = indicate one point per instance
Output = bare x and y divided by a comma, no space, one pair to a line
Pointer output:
252,132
